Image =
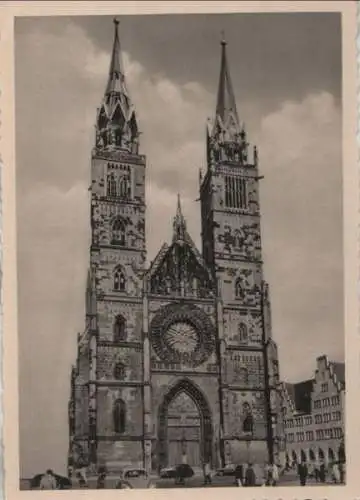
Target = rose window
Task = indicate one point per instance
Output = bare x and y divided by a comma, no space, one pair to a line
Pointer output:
182,337
182,334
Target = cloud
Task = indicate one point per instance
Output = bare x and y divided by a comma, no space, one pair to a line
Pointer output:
300,155
60,79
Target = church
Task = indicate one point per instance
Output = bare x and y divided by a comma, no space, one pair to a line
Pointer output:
176,362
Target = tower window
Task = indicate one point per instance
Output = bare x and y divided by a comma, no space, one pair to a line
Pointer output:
119,416
111,185
239,292
119,280
119,371
243,332
235,192
119,328
124,187
119,232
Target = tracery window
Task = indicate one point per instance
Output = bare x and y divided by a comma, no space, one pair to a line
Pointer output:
243,332
119,328
119,371
119,280
119,232
119,416
111,185
235,192
124,187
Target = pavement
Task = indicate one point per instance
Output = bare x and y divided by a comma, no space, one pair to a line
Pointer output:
197,481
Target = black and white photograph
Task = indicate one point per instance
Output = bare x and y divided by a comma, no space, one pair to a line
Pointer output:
179,190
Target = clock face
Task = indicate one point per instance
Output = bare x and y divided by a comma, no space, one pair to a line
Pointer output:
182,337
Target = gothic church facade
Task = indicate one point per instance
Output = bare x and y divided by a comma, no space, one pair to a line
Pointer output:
176,362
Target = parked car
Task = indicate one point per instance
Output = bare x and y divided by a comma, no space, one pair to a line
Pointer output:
178,472
63,483
137,478
228,470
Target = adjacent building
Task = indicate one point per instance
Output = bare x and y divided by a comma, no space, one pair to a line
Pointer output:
177,360
314,415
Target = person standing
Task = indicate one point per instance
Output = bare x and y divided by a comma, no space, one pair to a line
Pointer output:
100,484
239,475
274,474
303,473
48,481
336,473
207,473
322,473
250,477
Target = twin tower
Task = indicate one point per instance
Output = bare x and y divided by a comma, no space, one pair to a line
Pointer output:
176,362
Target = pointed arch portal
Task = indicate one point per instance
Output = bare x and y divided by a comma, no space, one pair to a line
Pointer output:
185,426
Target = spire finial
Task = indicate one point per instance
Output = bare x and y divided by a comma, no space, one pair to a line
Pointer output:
116,21
223,40
178,209
179,222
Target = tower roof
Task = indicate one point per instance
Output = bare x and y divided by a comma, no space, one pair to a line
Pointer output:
116,79
116,120
226,104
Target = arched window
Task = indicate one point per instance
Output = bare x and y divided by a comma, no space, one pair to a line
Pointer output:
248,422
119,371
124,187
119,280
238,289
118,232
111,185
119,416
243,332
119,328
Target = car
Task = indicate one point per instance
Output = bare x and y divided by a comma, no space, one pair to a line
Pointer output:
136,478
228,470
168,473
63,483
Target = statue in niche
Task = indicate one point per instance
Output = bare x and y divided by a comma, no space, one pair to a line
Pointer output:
248,422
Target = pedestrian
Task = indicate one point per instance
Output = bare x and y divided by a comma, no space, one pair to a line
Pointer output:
100,484
342,472
317,471
303,473
48,481
275,474
250,477
239,475
207,473
336,473
322,472
81,471
267,474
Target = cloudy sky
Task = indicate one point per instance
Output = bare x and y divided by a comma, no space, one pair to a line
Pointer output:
286,71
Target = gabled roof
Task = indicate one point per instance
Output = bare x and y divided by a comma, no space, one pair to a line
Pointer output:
180,262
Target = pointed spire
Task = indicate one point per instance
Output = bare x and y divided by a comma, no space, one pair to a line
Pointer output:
116,81
226,103
179,223
116,126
